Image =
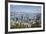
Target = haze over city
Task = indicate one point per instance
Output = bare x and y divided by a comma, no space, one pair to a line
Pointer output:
25,8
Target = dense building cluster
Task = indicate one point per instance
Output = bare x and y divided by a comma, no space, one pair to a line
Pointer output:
23,18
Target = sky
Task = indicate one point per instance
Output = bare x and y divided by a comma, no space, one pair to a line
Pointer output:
25,8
